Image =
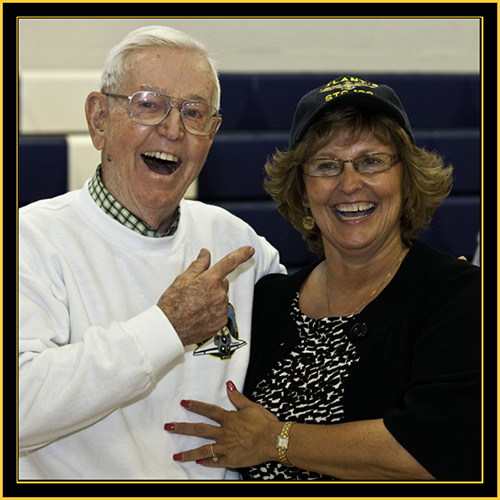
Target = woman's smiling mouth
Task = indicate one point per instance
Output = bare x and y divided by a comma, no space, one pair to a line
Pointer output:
160,162
354,211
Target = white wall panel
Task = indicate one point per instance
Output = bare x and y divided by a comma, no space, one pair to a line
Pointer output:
53,101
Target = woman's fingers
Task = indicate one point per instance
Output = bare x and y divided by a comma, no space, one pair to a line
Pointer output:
205,455
193,429
240,439
213,412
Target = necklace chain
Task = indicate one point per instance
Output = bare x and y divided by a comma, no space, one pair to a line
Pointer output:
370,296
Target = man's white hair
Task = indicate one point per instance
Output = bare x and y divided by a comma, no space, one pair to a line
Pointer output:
114,71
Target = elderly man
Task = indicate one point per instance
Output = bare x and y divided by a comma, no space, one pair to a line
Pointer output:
121,313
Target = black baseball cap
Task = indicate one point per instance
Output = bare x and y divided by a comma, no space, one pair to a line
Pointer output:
347,90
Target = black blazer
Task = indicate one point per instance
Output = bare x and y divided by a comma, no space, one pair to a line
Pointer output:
420,357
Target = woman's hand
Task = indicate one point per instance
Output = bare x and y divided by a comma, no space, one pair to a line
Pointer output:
359,450
243,438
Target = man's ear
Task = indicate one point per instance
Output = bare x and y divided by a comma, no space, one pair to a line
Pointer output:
96,111
212,135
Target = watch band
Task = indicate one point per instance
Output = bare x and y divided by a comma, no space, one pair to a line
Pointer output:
282,443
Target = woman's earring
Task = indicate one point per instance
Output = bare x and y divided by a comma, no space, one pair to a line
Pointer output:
308,222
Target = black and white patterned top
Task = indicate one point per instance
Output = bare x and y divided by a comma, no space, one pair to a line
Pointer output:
307,385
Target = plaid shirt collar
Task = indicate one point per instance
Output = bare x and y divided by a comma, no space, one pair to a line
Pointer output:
112,207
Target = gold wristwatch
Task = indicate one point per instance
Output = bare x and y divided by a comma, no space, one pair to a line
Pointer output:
282,443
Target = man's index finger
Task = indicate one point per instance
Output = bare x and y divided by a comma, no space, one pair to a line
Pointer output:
231,261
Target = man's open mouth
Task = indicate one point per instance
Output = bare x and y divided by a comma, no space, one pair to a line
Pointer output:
161,163
354,211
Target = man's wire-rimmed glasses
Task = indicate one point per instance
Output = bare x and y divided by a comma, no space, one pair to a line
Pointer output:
151,108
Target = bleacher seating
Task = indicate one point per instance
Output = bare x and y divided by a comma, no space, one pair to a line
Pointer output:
257,112
43,167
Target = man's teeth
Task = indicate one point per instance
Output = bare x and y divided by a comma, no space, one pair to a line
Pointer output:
162,156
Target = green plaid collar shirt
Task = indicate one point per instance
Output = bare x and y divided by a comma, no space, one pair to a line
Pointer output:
112,207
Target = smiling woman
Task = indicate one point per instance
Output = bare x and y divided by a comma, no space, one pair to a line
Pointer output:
426,182
351,374
336,201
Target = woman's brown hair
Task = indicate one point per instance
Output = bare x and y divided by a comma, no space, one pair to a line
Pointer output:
426,180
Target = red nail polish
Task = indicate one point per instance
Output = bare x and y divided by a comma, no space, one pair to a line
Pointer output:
177,456
169,427
186,404
200,461
230,386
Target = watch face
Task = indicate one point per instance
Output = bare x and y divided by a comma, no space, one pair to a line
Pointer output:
282,442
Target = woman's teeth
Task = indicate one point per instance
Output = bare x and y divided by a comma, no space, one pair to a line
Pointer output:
354,211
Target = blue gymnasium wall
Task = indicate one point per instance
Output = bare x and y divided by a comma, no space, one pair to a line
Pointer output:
257,112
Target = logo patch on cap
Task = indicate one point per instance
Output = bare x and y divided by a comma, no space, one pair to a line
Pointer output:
346,84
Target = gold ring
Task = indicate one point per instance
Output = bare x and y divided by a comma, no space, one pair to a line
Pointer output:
215,457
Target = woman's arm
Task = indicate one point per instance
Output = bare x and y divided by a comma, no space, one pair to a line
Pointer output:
246,437
353,450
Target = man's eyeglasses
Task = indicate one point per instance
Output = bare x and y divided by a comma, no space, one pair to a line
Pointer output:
366,164
150,108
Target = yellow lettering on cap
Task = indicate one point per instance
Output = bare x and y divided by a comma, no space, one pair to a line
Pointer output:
347,83
331,96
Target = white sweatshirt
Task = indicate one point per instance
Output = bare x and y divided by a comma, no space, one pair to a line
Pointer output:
101,369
